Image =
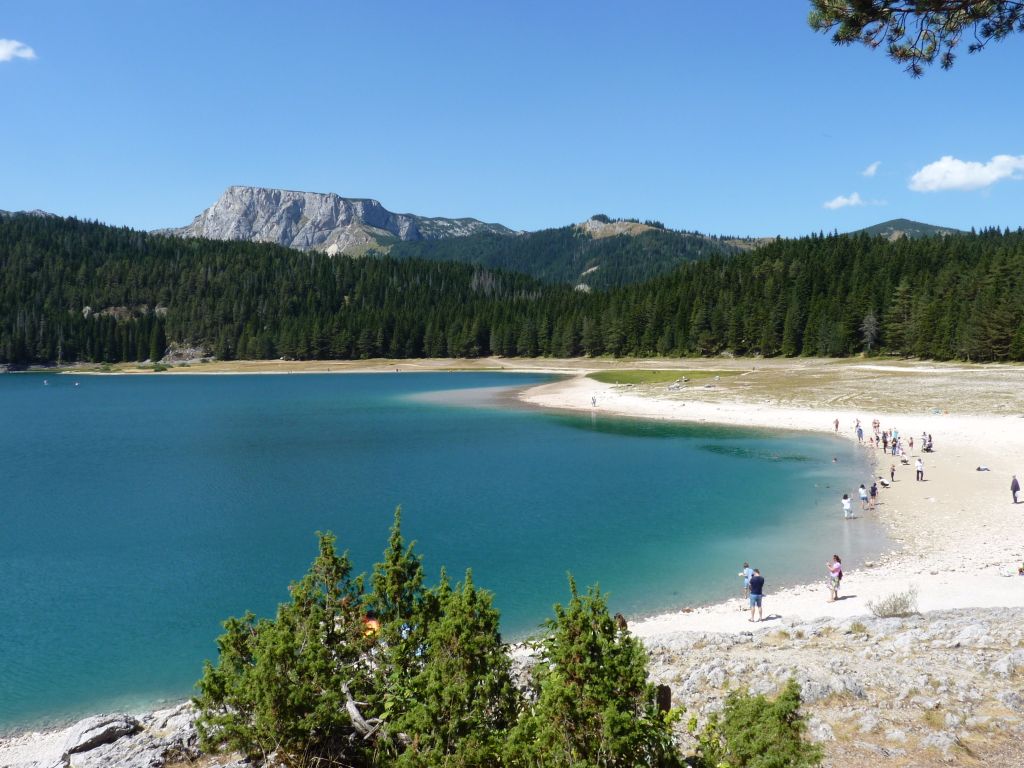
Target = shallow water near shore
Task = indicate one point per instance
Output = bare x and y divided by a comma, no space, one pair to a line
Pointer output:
139,512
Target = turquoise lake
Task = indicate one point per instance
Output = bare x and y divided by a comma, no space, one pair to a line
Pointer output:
139,512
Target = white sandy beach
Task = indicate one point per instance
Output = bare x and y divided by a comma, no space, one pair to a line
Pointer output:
959,531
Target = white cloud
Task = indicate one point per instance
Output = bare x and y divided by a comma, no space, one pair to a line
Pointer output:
844,202
12,49
872,169
950,173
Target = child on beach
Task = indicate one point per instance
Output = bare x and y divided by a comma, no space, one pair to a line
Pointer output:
863,492
847,507
746,573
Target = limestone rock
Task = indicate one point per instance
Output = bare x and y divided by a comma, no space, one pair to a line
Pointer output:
97,731
316,221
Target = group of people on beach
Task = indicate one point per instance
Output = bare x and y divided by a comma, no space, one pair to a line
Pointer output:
889,441
753,585
892,442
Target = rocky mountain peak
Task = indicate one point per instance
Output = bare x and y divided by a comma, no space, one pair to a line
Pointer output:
318,221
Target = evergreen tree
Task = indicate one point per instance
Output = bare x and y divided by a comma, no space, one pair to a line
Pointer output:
462,698
594,707
280,684
157,342
753,732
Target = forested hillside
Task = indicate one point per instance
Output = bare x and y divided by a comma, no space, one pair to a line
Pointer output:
72,290
571,255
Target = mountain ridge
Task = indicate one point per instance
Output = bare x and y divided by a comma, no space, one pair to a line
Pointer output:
894,229
321,221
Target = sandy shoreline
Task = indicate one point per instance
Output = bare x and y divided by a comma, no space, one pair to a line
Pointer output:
959,530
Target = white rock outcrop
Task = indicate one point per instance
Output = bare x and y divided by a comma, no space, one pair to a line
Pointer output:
318,221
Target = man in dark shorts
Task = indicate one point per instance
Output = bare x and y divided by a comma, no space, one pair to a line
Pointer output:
756,595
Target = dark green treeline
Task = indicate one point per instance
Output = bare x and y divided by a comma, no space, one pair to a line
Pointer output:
72,290
568,255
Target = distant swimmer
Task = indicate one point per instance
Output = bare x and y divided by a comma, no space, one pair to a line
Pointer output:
46,383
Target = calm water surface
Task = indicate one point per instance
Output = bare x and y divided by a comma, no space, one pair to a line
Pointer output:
138,513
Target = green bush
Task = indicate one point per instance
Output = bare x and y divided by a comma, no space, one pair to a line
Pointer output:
280,683
593,704
755,732
431,685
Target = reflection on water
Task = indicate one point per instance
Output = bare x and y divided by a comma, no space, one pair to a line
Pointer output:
625,427
742,452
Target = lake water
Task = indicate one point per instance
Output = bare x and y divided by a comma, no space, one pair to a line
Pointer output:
139,512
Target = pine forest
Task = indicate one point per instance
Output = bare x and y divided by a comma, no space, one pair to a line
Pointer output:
81,291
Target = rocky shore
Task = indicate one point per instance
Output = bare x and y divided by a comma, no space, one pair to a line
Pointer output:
152,740
940,688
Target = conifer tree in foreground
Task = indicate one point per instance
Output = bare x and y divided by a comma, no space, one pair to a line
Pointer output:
279,684
594,706
319,685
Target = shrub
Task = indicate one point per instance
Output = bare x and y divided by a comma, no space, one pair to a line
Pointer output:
858,628
594,705
431,684
754,732
280,684
896,605
462,697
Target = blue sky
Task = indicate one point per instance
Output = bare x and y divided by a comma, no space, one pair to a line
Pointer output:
730,118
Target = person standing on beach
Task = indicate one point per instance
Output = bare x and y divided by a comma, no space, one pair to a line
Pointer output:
847,506
746,573
756,595
892,473
1014,488
835,575
863,492
919,466
873,492
836,425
